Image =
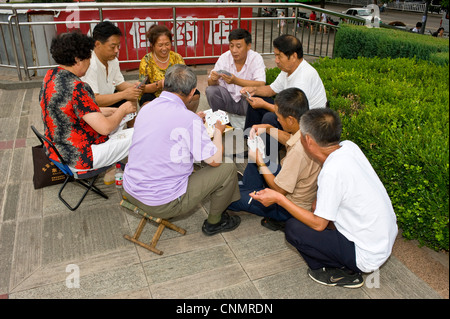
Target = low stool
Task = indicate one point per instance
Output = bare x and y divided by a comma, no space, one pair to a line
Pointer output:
162,223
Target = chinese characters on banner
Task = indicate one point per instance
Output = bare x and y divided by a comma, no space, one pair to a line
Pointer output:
195,33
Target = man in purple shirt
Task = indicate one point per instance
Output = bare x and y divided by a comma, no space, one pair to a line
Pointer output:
168,138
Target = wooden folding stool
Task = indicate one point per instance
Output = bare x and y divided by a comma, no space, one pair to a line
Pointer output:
162,223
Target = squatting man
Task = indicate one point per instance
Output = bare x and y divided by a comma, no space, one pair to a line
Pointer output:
352,227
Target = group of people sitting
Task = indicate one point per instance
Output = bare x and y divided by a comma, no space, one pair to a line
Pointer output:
324,194
439,33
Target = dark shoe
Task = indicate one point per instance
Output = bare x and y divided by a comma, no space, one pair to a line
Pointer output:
227,223
336,277
273,224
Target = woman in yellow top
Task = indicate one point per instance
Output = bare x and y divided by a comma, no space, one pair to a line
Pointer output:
155,64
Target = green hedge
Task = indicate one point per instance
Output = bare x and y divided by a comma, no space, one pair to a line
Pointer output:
354,41
396,110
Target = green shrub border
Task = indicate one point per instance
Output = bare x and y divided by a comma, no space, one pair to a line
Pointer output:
396,110
354,41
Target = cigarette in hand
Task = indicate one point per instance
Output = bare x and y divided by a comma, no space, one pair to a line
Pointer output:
254,193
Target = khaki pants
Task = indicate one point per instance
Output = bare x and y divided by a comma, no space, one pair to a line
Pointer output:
220,183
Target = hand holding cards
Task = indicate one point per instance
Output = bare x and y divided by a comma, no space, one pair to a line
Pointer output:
126,119
247,95
212,117
224,72
143,82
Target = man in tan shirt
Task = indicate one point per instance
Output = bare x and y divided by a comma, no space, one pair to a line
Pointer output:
296,177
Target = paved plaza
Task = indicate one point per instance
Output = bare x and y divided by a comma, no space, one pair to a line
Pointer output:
43,243
47,251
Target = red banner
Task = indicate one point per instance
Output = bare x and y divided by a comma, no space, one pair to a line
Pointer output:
194,38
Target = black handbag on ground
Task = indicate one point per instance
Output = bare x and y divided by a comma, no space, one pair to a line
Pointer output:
46,173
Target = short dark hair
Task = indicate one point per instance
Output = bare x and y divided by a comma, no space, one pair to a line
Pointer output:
323,125
238,34
104,30
288,44
292,102
157,30
65,47
180,79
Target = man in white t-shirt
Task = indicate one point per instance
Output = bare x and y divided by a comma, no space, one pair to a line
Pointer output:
104,75
238,67
353,226
295,72
106,79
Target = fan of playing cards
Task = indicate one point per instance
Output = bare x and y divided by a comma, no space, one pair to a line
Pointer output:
126,119
212,117
256,143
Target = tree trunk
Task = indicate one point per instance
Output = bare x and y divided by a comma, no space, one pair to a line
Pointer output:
425,16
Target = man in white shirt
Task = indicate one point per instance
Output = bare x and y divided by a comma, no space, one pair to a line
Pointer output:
238,67
104,75
106,79
295,72
353,226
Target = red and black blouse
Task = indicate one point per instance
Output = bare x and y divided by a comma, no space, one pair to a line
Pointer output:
64,100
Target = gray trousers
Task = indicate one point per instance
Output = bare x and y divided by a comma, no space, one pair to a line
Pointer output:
220,183
219,98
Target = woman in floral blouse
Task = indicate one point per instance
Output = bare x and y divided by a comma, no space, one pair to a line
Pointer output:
155,64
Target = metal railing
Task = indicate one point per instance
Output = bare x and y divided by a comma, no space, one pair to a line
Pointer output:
351,3
412,6
407,6
26,43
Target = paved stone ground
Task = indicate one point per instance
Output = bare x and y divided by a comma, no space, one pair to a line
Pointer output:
41,240
42,243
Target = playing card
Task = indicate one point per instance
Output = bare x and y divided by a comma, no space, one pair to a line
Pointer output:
224,72
251,143
247,95
257,144
222,116
126,119
212,117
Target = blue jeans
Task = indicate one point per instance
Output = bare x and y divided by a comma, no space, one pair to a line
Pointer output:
254,181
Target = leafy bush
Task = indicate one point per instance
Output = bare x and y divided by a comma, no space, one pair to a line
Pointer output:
271,75
396,110
354,41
